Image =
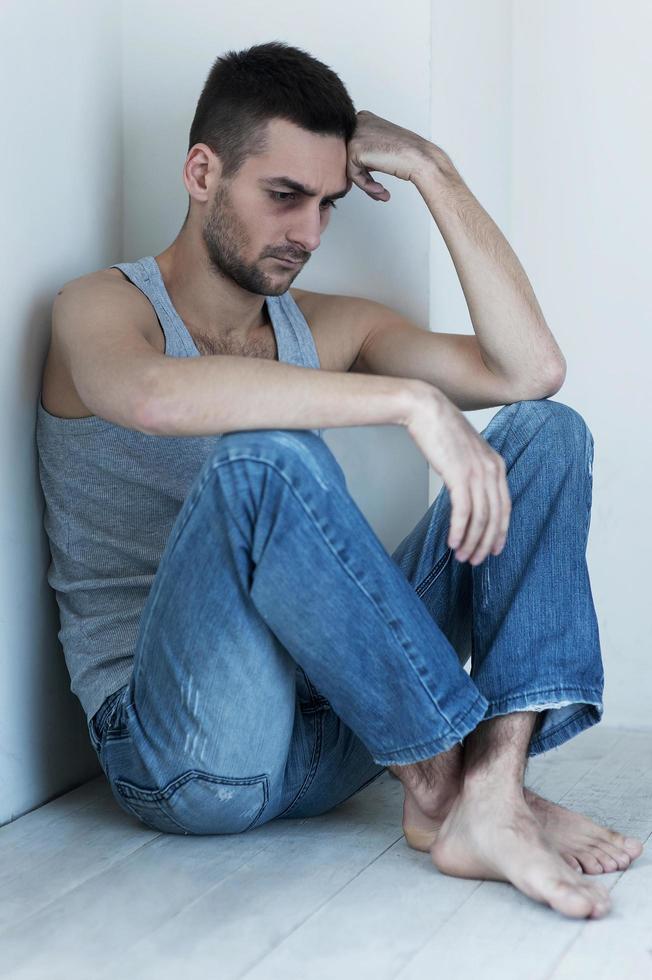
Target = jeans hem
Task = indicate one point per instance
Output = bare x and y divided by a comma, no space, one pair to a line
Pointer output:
587,716
457,731
589,713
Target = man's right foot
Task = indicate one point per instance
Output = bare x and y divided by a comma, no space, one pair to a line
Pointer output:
491,836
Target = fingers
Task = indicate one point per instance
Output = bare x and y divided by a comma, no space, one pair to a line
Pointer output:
363,179
485,510
478,521
460,513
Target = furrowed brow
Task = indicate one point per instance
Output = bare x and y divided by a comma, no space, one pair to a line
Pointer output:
294,185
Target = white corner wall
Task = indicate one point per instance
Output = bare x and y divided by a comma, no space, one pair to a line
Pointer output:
61,172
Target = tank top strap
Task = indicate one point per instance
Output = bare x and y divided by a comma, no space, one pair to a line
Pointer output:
145,274
294,338
297,344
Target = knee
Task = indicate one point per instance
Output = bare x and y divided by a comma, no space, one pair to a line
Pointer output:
563,425
562,428
285,448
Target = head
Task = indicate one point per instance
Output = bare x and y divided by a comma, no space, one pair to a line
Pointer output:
266,160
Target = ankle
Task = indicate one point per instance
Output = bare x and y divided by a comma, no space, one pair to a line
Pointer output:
504,781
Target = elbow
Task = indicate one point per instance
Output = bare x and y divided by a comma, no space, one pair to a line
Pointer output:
148,420
555,378
548,382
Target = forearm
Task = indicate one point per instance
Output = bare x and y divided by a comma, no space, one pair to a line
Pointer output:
512,333
224,393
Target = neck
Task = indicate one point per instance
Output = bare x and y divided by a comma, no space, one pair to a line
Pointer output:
206,300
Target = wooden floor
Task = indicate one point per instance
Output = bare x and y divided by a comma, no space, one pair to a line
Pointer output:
87,892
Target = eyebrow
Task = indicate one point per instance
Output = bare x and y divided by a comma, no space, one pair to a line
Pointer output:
301,188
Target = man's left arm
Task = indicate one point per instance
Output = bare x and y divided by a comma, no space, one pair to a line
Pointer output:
512,338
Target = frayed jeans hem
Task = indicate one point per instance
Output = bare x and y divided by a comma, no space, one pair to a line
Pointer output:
589,712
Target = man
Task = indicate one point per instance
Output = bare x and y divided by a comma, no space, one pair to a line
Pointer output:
243,646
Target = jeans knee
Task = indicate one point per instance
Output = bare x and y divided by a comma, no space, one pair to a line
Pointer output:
564,424
285,448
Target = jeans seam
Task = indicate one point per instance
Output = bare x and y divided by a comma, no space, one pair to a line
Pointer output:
314,763
434,573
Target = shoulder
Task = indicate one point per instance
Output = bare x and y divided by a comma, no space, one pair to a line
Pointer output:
106,292
329,305
341,325
104,286
97,280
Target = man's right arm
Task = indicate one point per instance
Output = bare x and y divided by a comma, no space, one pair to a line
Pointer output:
119,375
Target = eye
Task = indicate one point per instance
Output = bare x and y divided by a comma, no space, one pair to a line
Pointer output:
285,194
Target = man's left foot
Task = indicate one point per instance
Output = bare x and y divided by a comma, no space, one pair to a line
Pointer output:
584,845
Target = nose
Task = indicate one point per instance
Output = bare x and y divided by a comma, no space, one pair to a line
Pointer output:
305,231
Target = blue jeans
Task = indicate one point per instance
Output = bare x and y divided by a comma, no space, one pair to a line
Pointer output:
284,658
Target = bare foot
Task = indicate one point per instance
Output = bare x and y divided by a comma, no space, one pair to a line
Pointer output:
584,845
489,835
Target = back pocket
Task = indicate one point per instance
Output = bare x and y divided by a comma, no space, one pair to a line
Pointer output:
197,803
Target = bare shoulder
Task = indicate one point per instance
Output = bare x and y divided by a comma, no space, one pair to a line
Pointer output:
109,290
98,282
108,293
339,324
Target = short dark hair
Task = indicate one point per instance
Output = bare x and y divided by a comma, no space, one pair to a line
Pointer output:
245,89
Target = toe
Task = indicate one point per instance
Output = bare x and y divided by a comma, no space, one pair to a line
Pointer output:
589,862
608,862
572,861
621,857
630,845
633,847
601,902
573,900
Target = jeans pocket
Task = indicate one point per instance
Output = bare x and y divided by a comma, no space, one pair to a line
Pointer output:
197,802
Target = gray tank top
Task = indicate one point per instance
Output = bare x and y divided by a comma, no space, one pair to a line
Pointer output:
111,497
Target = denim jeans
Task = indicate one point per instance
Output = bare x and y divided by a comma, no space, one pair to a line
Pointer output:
285,659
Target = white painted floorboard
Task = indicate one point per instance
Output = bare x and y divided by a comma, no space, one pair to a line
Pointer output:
86,891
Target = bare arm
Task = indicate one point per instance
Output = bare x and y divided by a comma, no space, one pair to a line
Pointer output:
514,339
101,329
226,393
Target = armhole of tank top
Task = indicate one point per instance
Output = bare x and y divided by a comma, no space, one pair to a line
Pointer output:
301,328
162,328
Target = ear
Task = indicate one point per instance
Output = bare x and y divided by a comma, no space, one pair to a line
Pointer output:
201,172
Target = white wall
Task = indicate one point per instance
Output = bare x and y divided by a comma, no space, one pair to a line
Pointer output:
581,219
61,174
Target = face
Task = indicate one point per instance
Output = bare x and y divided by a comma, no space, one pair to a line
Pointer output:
256,219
